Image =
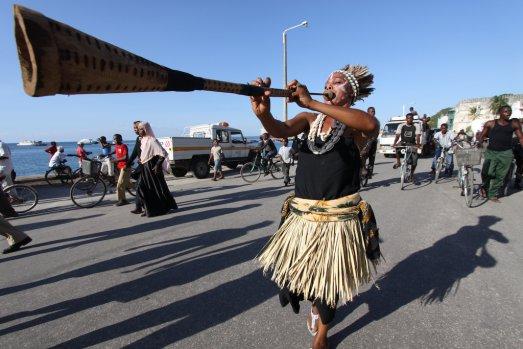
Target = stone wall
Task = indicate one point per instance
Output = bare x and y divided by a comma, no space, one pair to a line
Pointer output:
463,119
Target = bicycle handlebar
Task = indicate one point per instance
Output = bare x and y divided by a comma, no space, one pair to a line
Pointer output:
405,146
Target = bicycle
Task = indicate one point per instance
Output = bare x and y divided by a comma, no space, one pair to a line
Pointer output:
466,159
441,162
89,190
368,151
251,171
62,173
59,174
365,172
22,198
406,163
503,191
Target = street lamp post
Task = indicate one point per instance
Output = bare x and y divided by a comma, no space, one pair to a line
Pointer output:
302,24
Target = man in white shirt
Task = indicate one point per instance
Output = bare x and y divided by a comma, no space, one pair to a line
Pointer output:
285,154
216,156
6,164
58,157
443,139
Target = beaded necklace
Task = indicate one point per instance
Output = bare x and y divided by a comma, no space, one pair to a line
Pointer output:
329,138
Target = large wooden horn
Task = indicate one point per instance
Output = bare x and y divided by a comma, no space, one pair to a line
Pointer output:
56,58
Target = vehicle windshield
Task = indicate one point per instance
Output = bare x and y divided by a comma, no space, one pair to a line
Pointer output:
390,129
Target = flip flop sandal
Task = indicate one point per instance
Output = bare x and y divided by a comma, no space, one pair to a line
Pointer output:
312,320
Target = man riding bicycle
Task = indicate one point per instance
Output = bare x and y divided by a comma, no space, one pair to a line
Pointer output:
58,159
443,139
268,151
410,135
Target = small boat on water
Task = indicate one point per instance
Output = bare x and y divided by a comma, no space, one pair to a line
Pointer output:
88,141
31,144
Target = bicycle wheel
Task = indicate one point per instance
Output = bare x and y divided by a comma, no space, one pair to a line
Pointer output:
52,177
277,170
77,174
131,189
66,175
364,174
23,198
461,170
507,180
87,192
439,165
403,174
250,172
364,180
468,186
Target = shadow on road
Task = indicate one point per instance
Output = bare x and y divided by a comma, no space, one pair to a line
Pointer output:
80,240
159,223
50,223
429,275
157,253
59,209
196,313
422,177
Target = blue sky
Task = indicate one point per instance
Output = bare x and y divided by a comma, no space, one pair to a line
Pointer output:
429,53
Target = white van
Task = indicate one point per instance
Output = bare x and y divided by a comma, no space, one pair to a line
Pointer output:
388,133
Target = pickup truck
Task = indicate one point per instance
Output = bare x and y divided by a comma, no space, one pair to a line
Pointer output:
191,151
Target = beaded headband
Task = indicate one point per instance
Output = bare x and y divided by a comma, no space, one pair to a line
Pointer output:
352,81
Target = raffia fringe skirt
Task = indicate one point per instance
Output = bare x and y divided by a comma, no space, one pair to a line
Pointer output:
322,248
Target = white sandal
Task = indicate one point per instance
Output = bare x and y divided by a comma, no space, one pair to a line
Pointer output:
312,320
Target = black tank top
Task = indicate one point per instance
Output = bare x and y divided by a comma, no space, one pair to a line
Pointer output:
500,137
331,175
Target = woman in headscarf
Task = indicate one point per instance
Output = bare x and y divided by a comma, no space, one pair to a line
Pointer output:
327,244
152,188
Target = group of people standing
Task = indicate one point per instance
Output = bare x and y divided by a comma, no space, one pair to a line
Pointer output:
153,197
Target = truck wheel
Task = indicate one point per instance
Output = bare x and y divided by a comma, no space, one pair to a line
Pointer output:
232,165
179,172
200,169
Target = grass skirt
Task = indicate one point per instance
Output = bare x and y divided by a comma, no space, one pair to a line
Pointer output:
323,249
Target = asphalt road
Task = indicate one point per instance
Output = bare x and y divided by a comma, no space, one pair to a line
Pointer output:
103,277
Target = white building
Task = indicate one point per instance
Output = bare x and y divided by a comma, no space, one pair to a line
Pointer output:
464,118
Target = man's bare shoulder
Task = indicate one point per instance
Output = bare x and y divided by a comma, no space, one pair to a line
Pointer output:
516,124
490,123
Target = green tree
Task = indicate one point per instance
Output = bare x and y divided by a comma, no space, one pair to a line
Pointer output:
497,102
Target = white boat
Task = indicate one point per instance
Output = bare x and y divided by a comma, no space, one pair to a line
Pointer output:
31,143
88,141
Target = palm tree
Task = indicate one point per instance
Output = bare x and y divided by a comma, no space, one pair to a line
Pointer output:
497,102
473,112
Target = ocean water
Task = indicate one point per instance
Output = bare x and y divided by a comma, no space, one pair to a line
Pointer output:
30,161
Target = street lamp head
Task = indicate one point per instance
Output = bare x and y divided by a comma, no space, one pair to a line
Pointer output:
304,24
